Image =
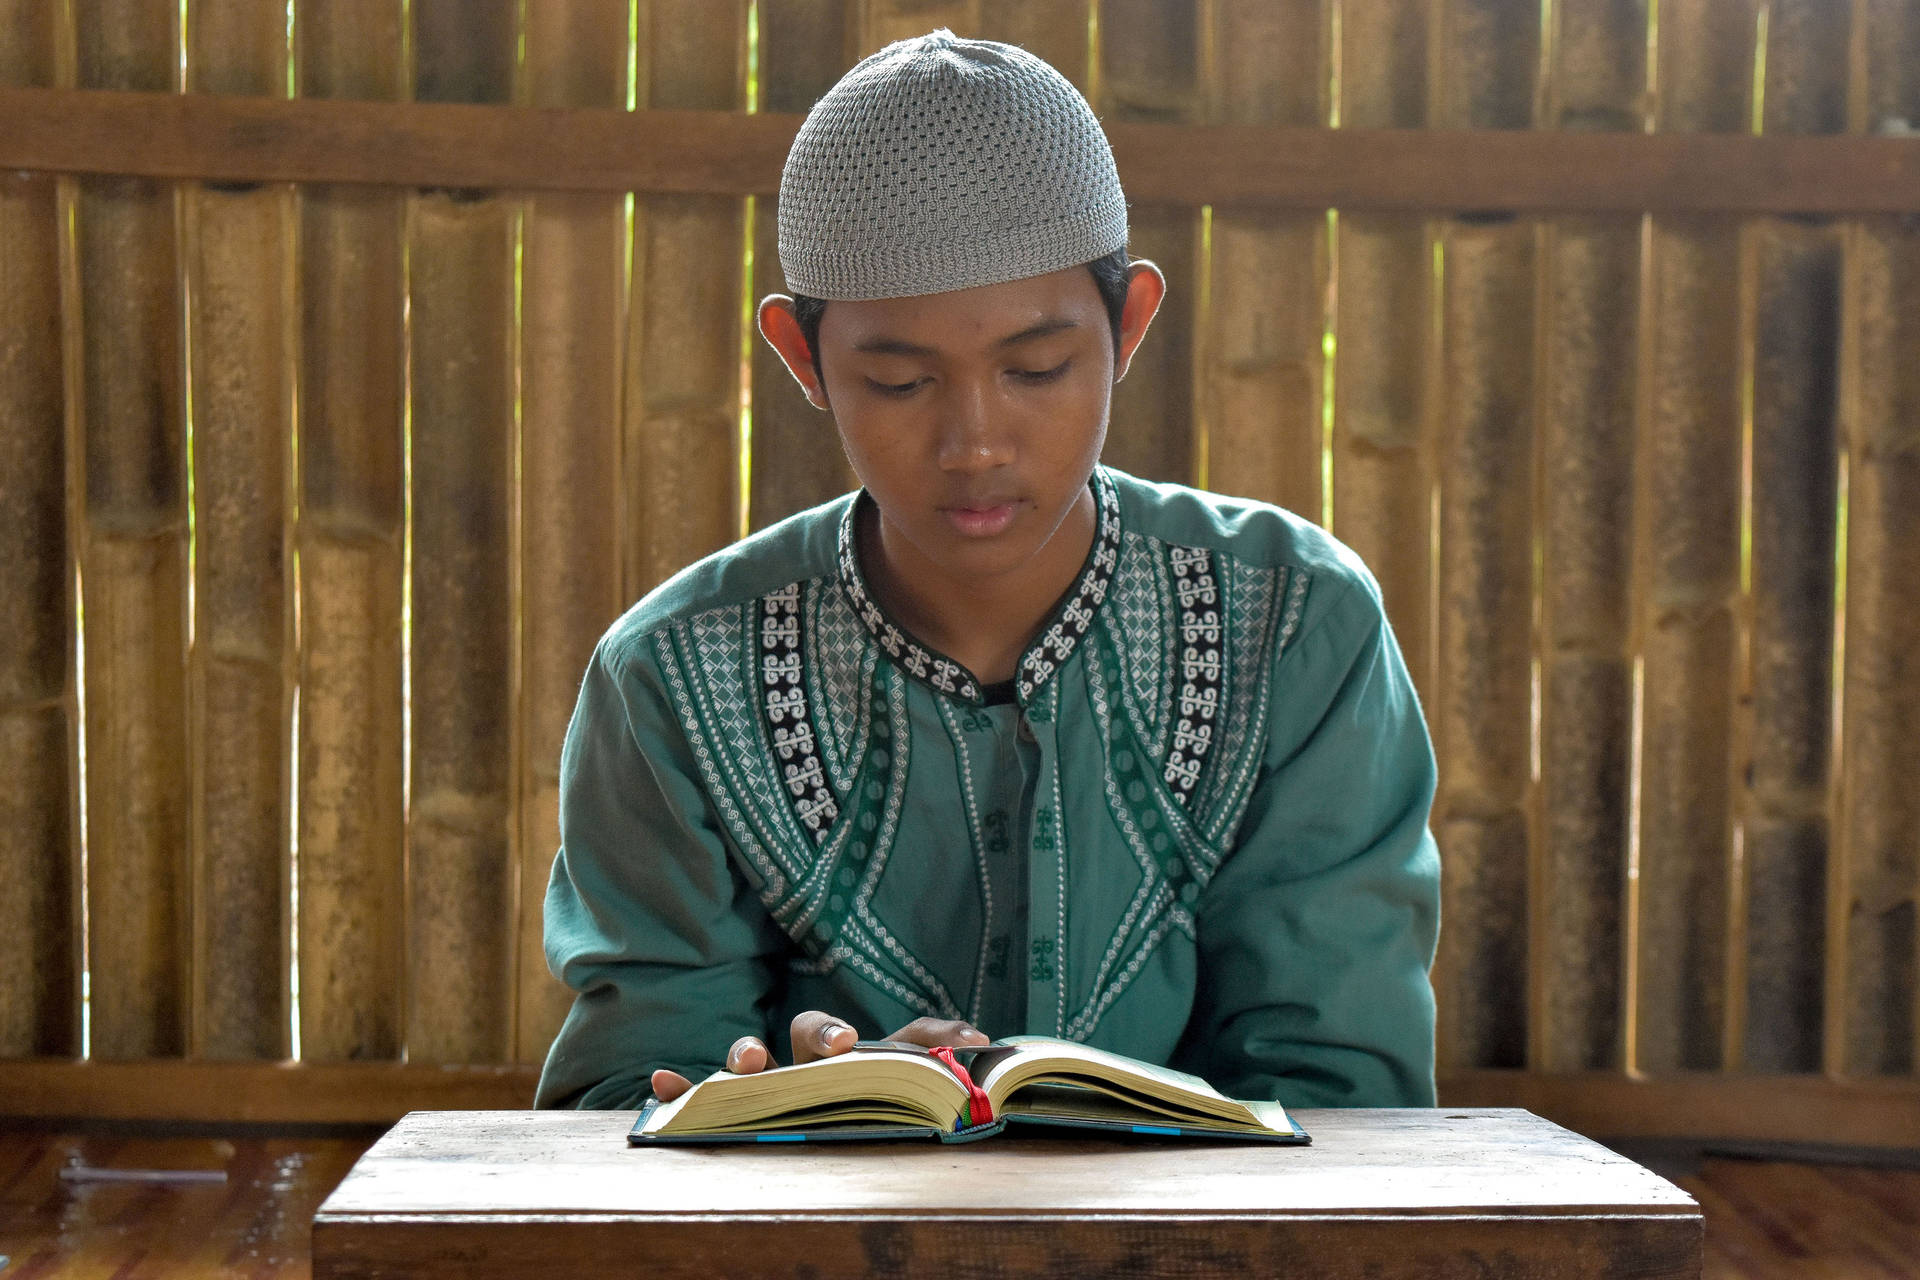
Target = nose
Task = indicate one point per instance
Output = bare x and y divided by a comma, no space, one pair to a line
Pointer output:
972,436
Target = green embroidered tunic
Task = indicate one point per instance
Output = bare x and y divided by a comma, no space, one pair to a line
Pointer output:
1194,830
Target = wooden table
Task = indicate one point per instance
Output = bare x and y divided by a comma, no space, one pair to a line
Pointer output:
1379,1193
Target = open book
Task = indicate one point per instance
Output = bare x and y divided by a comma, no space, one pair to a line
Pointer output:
882,1089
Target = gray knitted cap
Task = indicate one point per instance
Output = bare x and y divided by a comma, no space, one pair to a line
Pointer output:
940,163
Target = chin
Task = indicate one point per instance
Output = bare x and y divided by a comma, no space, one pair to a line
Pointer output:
991,557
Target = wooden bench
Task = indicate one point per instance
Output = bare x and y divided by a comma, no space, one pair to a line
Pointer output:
1379,1193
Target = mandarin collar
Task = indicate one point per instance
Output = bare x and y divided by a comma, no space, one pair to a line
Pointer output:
1056,641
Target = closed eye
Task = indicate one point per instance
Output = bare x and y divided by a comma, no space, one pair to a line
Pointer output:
1043,375
893,388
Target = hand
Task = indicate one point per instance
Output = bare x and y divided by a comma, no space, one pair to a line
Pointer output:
821,1035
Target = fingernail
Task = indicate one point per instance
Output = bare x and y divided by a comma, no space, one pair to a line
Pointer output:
828,1033
973,1035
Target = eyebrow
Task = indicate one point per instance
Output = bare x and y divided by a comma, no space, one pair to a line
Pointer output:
900,347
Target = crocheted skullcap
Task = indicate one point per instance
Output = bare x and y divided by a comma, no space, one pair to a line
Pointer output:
940,163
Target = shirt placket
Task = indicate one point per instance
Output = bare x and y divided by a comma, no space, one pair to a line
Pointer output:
1046,871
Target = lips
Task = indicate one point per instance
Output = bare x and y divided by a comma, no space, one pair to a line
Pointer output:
980,517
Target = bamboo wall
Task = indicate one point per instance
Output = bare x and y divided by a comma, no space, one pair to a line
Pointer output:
314,498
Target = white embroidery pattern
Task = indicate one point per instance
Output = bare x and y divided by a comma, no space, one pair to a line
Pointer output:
1202,667
1142,639
789,722
1060,639
936,669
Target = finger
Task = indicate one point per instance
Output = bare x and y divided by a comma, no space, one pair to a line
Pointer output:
668,1085
748,1056
820,1035
934,1032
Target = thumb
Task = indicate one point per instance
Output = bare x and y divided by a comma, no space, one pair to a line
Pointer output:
668,1085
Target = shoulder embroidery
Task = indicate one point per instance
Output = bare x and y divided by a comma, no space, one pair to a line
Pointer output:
1268,603
789,719
1202,668
1143,640
738,677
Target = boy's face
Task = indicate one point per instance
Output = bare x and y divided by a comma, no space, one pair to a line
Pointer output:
975,417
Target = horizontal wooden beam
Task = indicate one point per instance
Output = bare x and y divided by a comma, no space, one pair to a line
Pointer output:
255,1092
1881,1112
1876,1113
244,140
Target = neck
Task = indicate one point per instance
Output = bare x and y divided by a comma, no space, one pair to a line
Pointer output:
984,623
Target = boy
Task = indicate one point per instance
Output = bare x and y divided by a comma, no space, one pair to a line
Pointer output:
1006,741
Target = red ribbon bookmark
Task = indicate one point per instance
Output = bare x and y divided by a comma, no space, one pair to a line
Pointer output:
979,1106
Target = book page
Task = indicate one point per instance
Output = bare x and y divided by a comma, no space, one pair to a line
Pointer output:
1076,1102
907,1088
1101,1062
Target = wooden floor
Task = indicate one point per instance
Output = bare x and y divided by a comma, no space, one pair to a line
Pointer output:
1765,1219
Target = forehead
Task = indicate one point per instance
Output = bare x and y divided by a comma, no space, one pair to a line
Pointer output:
965,320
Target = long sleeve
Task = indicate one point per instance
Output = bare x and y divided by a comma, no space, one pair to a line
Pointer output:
648,919
1316,934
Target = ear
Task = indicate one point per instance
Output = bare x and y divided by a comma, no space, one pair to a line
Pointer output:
1146,287
781,329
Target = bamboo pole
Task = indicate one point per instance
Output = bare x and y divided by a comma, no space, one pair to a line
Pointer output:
240,686
805,45
1481,717
573,321
682,408
1149,70
1262,369
1785,735
39,851
1873,1022
350,547
1590,305
1382,465
133,562
461,360
1689,565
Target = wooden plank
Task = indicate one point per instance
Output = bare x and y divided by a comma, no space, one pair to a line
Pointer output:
209,1092
591,149
461,359
1380,1193
1375,1163
881,22
1018,1247
1785,738
39,852
1689,567
1058,32
683,359
1707,1105
1263,353
1590,301
796,462
239,287
1880,818
1480,716
1485,58
352,504
1384,330
1874,981
133,563
572,337
1150,71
